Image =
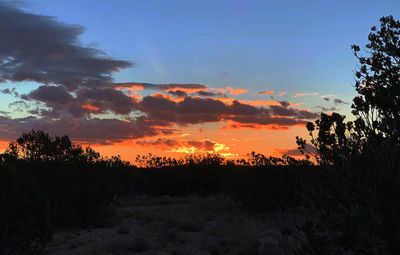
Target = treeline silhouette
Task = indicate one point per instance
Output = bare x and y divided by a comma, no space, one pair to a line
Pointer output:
49,183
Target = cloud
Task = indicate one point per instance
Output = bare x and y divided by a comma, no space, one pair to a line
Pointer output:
195,110
292,112
301,94
9,92
266,92
192,146
210,94
284,103
259,121
339,101
189,111
225,74
74,114
42,49
295,152
188,88
5,113
50,95
236,91
237,125
107,99
176,89
326,109
18,106
62,101
94,130
178,93
158,111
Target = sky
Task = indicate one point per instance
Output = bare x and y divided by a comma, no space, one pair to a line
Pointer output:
133,77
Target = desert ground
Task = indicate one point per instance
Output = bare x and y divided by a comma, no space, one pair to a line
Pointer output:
185,225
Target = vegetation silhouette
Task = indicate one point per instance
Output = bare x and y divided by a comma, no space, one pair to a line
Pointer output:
50,183
362,157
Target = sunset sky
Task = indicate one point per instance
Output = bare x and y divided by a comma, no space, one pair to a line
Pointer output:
172,77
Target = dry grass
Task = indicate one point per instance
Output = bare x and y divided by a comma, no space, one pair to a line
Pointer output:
189,225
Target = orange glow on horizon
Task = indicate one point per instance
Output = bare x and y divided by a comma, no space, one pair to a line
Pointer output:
233,144
3,145
236,143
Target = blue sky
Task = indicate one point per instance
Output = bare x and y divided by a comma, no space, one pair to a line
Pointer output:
289,45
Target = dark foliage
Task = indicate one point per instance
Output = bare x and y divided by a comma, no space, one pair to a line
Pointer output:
49,183
378,82
362,157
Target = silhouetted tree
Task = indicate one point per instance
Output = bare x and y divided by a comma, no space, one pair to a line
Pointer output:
378,81
40,146
364,174
376,108
336,142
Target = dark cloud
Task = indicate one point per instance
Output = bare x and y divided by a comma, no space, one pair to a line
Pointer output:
339,101
291,112
238,108
18,106
50,95
42,49
68,114
210,94
100,131
107,99
178,93
60,100
9,91
326,109
264,120
266,92
284,103
194,110
189,111
4,113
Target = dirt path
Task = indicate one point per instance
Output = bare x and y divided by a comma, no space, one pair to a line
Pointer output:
189,226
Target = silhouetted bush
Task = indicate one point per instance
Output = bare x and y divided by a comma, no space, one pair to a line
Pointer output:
50,183
362,217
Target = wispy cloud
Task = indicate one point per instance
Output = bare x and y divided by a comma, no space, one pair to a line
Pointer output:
266,92
338,101
294,152
236,91
303,94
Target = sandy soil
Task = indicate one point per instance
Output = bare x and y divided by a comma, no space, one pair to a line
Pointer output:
189,225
